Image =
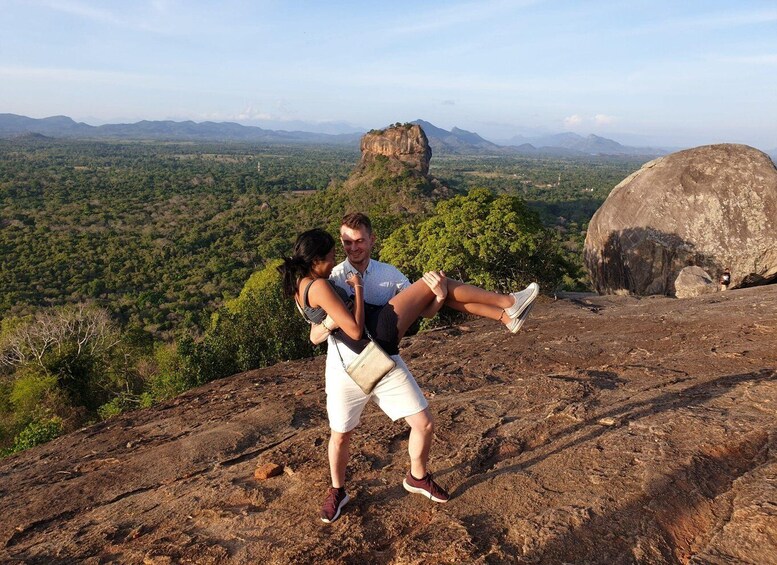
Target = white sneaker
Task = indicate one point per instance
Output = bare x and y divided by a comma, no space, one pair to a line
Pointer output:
522,300
517,323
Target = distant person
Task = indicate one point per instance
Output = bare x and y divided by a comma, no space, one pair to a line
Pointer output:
344,311
725,279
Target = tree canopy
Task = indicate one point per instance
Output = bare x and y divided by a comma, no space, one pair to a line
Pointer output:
495,242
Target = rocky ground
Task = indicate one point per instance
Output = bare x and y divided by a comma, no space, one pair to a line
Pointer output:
610,430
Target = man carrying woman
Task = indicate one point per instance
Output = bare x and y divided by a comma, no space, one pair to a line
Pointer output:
363,293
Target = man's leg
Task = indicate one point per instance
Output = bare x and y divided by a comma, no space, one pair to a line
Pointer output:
419,480
339,444
421,434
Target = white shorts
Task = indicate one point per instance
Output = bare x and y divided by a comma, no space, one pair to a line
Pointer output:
397,394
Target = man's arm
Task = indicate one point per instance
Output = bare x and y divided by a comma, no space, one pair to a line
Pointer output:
338,275
438,284
398,279
320,332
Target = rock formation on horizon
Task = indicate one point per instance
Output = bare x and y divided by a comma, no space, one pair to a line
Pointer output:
714,207
403,143
392,176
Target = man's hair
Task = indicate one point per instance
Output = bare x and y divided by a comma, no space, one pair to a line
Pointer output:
356,220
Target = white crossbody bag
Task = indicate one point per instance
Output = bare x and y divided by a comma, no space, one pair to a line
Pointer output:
370,366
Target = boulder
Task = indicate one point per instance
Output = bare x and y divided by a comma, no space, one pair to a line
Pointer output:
693,281
713,206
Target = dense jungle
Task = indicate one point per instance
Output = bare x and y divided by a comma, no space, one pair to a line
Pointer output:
132,271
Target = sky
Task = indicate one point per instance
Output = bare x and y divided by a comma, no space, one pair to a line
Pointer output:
662,73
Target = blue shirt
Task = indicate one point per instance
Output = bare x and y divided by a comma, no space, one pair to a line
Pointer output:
381,281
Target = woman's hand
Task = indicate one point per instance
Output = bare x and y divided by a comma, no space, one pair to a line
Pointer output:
354,280
437,283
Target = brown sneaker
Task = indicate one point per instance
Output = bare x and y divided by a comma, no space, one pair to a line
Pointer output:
335,500
426,487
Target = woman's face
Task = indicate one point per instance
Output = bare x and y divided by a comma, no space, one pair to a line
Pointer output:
323,267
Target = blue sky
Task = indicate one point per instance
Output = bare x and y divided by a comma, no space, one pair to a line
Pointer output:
673,73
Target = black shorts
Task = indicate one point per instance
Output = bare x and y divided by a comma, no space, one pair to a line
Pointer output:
381,322
382,325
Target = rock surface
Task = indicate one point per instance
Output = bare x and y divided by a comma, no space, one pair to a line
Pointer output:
267,470
404,143
714,207
693,281
611,429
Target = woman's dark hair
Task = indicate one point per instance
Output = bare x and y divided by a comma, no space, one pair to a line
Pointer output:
311,246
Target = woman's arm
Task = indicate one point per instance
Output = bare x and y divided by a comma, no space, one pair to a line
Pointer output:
322,295
354,280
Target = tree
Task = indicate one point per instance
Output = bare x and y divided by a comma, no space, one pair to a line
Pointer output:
258,328
492,241
58,337
72,355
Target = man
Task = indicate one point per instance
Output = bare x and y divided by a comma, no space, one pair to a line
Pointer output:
397,394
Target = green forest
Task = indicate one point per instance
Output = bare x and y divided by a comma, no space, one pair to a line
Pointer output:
132,271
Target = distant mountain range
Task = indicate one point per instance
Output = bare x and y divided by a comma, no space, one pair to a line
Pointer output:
589,145
561,145
456,141
61,126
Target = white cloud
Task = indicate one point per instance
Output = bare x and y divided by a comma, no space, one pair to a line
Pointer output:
86,76
604,120
722,20
82,10
252,113
766,59
457,15
572,121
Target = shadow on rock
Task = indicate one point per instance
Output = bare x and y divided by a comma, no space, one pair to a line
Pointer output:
672,521
668,401
644,261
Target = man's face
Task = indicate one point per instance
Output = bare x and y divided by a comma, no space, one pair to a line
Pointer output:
358,244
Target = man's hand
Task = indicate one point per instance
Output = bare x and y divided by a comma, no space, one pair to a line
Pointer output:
319,332
437,283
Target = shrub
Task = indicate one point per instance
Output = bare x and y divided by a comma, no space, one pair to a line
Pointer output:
36,433
257,329
28,392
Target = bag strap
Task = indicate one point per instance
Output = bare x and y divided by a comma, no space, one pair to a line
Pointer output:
369,337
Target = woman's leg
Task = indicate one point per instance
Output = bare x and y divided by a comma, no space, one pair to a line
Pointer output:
467,294
482,310
411,302
475,300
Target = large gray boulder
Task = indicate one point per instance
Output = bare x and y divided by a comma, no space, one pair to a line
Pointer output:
693,281
713,206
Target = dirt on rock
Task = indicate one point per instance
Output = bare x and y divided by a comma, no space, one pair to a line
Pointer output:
609,430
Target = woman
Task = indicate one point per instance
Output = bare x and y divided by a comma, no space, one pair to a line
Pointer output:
329,308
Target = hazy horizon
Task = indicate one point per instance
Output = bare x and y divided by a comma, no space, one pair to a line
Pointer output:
660,73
